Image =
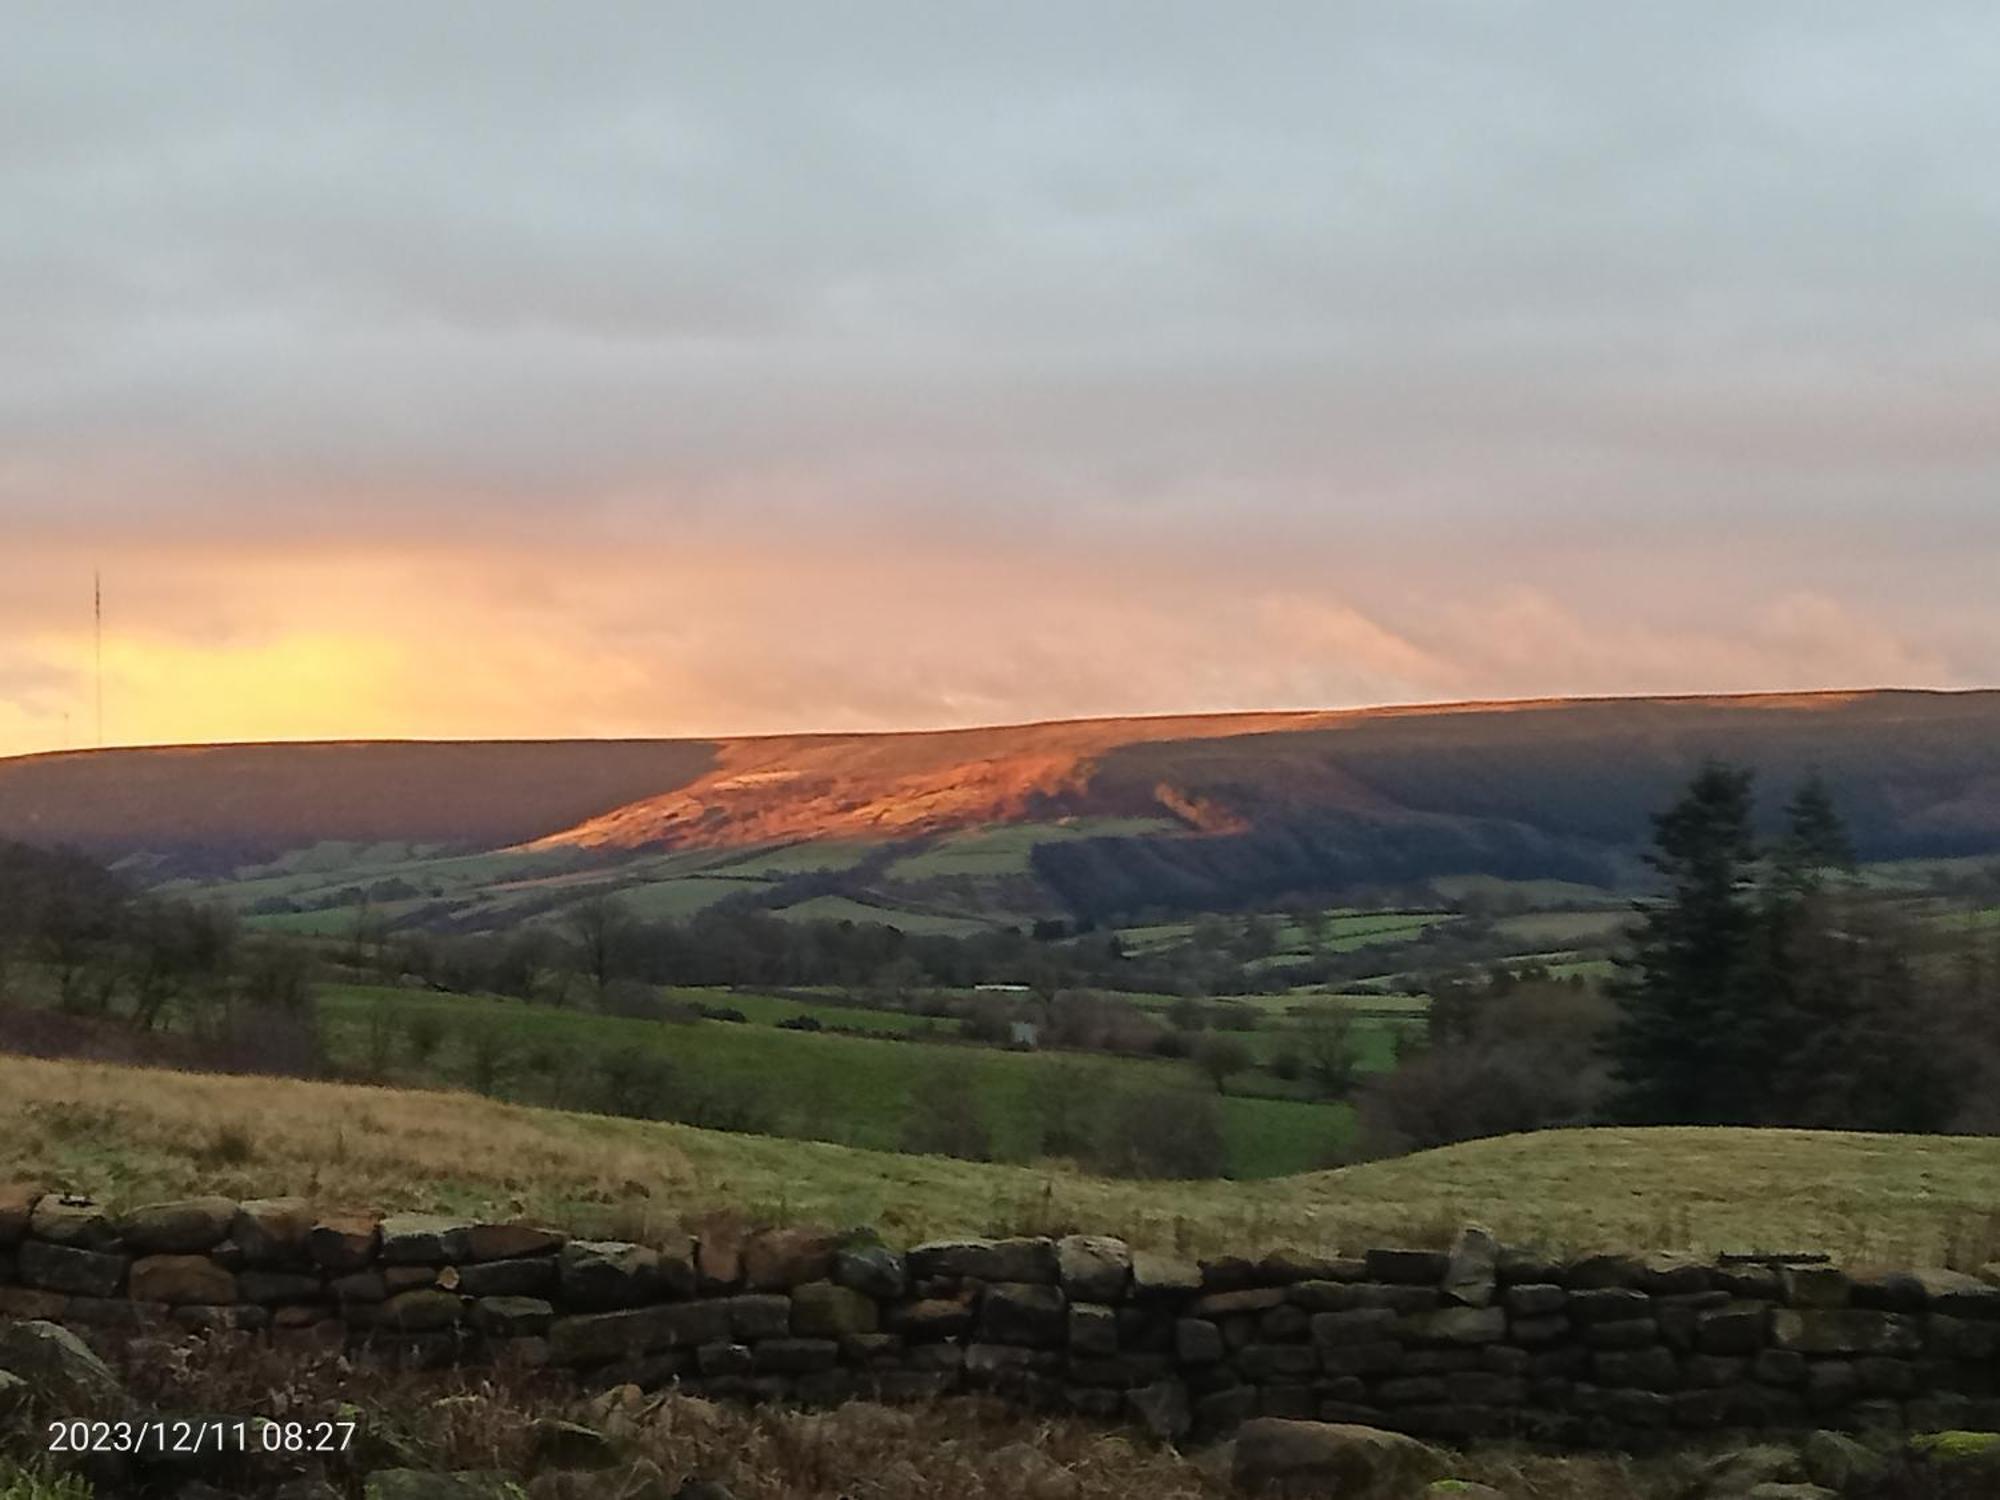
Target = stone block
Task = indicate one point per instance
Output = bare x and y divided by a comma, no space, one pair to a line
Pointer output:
181,1281
1093,1330
1028,1260
1155,1275
1197,1341
1093,1268
1845,1330
821,1309
423,1310
1608,1304
755,1315
512,1317
1407,1267
343,1244
1815,1286
184,1227
267,1288
272,1231
1024,1313
69,1268
1535,1299
872,1270
533,1276
1458,1325
1472,1269
608,1274
1597,1272
1739,1328
510,1242
932,1318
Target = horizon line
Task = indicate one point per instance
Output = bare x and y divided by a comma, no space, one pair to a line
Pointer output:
1462,705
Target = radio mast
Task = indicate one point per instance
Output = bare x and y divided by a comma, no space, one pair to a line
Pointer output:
97,616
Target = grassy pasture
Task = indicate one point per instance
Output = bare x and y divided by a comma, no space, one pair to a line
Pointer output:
1008,850
131,1136
332,921
1346,929
671,900
1564,929
778,861
1559,894
851,1089
847,909
1349,930
769,1010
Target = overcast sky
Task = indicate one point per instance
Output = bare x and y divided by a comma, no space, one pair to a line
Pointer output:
597,369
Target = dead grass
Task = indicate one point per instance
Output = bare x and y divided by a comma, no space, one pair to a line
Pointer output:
128,1135
942,1451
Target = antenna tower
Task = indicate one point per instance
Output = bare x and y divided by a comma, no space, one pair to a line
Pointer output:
97,615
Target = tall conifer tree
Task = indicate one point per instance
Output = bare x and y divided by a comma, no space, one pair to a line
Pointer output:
1675,1052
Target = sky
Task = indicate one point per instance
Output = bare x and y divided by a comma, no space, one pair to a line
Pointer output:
509,369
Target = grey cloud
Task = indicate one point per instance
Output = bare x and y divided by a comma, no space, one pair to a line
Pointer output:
1491,270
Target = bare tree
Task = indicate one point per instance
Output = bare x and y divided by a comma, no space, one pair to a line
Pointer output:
597,929
1330,1049
1221,1056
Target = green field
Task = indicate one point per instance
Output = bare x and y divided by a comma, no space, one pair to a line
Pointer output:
778,861
1345,930
1564,929
671,900
769,1010
1008,850
917,923
1539,894
827,1087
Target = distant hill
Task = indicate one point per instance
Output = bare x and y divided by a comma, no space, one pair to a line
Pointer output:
1113,814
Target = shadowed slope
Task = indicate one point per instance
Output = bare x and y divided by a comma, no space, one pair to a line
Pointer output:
1542,785
241,800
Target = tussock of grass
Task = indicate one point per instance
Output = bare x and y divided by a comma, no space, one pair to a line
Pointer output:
128,1135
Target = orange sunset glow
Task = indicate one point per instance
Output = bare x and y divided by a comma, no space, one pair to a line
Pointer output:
974,385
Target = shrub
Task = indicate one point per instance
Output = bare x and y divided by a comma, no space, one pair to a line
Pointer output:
423,1034
631,1001
1172,1044
273,1043
633,1083
1220,1057
726,1104
947,1117
487,1052
720,1013
1161,1133
1066,1107
1528,1062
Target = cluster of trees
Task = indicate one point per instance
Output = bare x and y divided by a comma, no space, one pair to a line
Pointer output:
102,951
597,942
1502,1055
1766,984
1119,1132
1768,987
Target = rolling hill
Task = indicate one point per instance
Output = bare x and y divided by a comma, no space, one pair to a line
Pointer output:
130,1136
1088,818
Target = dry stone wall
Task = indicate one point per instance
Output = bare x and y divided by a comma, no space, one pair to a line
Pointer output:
1478,1341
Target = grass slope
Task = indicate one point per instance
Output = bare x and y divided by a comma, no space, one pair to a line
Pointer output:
128,1136
849,1088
